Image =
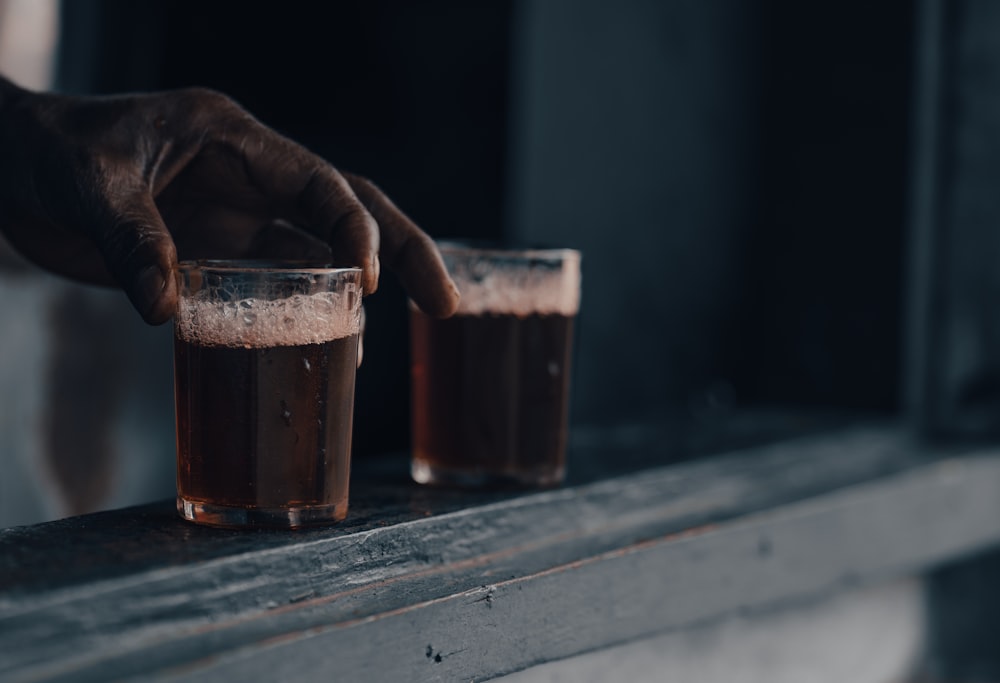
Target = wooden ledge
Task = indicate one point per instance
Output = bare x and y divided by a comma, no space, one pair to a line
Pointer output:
429,585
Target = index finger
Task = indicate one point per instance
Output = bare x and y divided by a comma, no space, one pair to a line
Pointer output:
409,252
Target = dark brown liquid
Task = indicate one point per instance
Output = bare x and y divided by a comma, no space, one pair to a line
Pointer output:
265,427
490,397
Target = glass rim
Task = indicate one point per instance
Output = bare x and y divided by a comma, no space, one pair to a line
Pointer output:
493,249
237,266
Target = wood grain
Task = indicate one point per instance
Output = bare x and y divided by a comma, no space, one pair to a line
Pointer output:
428,585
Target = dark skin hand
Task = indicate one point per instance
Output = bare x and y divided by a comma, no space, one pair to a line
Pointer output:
112,190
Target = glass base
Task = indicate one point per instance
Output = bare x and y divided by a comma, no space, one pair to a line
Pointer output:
432,475
231,517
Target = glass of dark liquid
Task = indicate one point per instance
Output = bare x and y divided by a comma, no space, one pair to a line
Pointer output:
265,357
490,385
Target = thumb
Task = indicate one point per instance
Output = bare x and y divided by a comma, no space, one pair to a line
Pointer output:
140,253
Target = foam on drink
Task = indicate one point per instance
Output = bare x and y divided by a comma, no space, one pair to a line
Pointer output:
257,323
491,383
517,288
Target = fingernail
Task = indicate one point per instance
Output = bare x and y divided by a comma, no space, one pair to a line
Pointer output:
374,271
149,286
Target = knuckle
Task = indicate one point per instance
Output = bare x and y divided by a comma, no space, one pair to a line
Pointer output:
364,183
324,194
206,98
130,239
366,190
120,247
207,109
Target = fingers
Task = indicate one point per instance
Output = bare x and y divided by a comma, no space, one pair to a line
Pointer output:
409,252
315,196
279,239
140,255
332,211
360,224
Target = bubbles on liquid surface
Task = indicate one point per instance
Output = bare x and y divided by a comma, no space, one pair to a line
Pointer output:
249,323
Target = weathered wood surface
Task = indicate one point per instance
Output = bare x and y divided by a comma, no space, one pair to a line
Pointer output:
431,585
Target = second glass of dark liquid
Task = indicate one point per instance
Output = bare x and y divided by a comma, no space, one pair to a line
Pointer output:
490,385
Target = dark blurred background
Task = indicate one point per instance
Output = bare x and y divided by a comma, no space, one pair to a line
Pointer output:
784,208
734,172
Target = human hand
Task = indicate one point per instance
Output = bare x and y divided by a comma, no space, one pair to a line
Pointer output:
111,190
